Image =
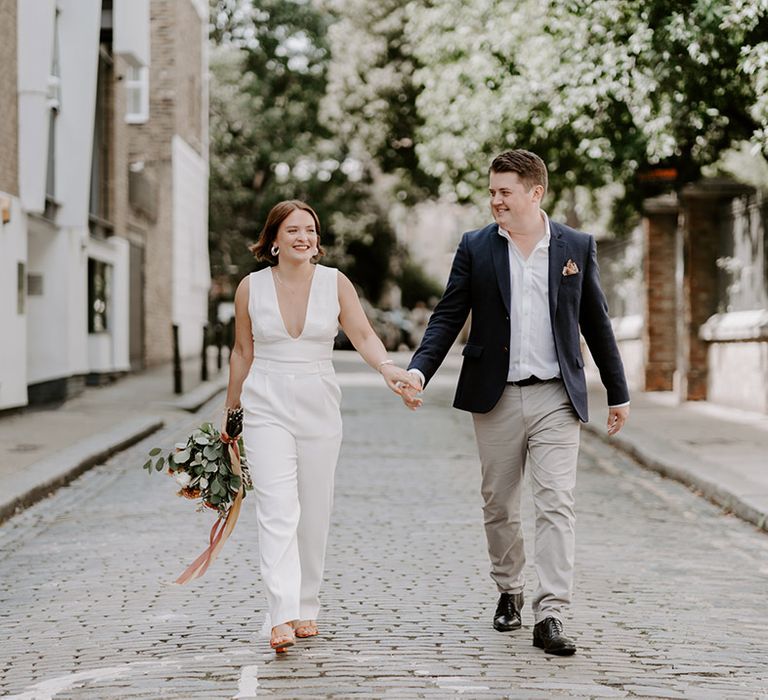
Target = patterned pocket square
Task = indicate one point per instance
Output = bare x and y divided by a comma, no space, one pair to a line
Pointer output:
571,268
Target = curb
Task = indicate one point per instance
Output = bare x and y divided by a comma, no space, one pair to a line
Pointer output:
48,474
193,400
712,491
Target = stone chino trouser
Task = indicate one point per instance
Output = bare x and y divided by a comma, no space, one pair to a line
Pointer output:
535,427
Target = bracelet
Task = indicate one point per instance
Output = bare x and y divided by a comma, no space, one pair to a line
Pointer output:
384,362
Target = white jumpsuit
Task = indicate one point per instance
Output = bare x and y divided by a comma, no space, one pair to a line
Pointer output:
292,434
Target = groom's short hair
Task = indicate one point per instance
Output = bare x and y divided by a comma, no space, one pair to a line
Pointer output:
528,166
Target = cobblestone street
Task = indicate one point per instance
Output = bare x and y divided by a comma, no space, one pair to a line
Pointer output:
670,597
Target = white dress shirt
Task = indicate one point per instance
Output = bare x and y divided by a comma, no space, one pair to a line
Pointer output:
531,342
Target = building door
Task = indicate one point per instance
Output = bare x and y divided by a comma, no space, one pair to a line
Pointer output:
136,307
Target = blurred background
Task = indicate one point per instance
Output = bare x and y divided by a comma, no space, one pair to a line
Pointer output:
144,142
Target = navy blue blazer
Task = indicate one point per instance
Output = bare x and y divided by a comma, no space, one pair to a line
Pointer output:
479,282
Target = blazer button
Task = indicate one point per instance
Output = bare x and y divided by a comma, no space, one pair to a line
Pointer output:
506,349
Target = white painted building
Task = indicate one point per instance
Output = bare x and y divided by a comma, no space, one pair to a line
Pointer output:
77,228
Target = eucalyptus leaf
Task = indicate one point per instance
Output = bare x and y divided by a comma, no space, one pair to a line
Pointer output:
211,467
148,465
160,463
154,452
201,440
181,457
211,452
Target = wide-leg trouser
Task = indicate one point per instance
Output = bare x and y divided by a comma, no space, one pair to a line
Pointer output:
534,424
292,436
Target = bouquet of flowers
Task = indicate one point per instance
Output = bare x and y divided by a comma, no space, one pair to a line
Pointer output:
202,466
209,466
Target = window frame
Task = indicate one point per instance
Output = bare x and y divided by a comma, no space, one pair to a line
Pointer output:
140,84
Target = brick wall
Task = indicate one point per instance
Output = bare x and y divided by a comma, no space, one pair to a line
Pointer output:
9,126
189,79
660,331
175,108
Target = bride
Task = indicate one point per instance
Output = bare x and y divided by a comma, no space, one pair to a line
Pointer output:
280,373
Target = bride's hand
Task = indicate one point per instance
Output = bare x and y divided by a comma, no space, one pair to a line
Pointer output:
223,431
397,379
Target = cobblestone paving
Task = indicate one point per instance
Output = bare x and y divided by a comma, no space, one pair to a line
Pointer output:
670,596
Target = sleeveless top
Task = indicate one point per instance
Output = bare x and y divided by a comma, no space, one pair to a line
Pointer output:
271,340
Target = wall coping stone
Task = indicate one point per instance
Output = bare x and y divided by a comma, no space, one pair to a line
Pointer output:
736,326
628,327
715,188
663,204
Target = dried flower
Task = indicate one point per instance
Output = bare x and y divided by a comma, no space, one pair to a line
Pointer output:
183,479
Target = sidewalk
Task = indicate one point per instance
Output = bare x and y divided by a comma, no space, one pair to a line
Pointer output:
721,453
44,448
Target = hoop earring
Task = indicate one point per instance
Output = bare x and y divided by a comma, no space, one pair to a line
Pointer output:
274,250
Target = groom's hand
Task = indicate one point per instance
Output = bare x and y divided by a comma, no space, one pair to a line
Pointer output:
616,419
410,393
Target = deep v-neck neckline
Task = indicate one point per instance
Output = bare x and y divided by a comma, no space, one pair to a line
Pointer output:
306,312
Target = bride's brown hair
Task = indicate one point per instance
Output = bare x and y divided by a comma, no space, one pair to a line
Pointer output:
262,249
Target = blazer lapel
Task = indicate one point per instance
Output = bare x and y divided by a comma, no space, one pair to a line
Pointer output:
557,255
500,254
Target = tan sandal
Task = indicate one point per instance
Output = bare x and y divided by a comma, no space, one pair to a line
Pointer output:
280,641
304,629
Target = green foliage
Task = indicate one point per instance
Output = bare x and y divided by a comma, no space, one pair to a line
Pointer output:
416,286
370,101
599,88
269,76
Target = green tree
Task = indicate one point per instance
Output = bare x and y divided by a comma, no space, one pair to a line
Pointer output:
600,88
269,74
371,95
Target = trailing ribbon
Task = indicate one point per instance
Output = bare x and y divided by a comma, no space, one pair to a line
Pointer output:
222,528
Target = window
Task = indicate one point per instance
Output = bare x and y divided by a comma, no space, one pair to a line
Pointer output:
101,158
99,282
20,291
137,95
54,105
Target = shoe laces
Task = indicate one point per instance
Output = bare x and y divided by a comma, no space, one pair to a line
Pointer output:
507,604
557,625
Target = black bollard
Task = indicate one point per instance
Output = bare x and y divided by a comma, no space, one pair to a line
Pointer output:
176,361
219,343
203,357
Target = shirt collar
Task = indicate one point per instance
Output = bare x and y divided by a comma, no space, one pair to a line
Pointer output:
543,243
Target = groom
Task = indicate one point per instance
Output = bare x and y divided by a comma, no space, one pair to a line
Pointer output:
532,285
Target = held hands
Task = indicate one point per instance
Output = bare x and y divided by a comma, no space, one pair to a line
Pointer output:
399,380
410,393
616,419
